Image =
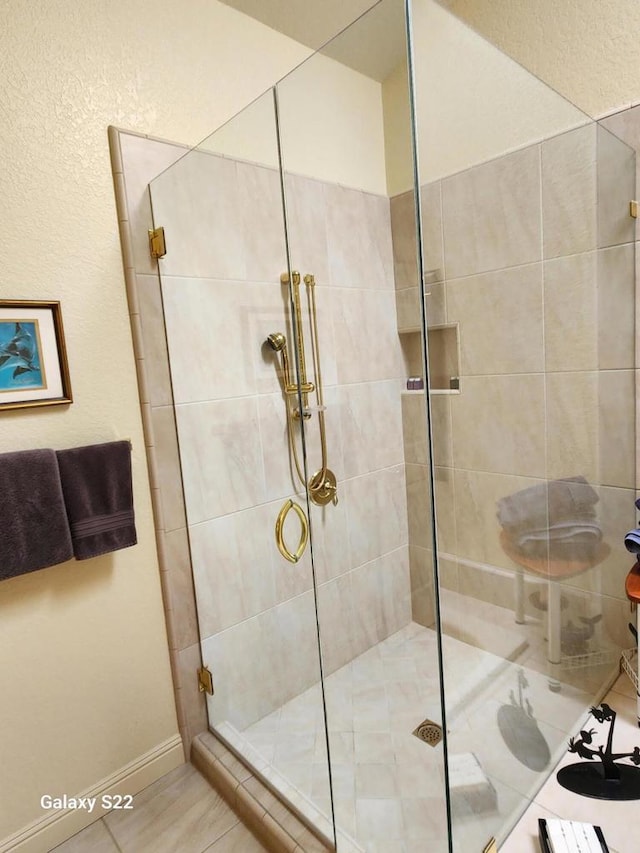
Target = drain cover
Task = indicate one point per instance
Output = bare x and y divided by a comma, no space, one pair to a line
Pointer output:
429,732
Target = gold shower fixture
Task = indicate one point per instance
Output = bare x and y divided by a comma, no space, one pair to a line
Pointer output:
322,484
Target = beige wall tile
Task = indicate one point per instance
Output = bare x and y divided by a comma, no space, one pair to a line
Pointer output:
403,234
371,426
413,360
448,573
377,513
507,302
281,478
307,227
396,591
181,594
478,583
154,340
207,238
441,430
330,538
168,467
626,126
221,457
253,668
419,505
191,702
616,307
365,336
414,427
334,614
476,495
212,323
616,514
408,309
422,597
491,215
403,228
365,592
431,223
572,425
381,599
262,217
498,424
616,187
571,314
616,428
435,302
233,567
446,519
143,160
358,239
569,192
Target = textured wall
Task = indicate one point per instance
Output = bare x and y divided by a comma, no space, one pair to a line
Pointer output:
472,102
587,50
86,681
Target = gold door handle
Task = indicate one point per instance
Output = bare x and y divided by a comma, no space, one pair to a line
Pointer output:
304,531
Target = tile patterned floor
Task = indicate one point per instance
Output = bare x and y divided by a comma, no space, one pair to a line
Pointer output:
387,785
180,813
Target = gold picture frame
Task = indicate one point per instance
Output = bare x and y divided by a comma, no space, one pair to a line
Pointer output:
34,370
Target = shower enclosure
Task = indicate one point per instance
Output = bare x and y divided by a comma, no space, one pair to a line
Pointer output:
399,298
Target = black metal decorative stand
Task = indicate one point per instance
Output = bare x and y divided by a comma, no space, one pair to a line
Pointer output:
607,779
520,731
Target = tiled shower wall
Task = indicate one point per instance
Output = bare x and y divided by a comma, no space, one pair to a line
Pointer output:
222,297
532,256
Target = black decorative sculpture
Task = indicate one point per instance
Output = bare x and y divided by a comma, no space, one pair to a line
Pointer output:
608,779
520,730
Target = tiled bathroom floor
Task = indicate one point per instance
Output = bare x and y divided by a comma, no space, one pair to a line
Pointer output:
387,784
180,813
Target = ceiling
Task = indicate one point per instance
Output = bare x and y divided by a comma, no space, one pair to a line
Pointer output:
374,46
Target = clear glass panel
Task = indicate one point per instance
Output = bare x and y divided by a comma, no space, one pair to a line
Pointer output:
235,372
375,589
529,297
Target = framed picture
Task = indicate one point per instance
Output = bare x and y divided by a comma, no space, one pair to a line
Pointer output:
33,357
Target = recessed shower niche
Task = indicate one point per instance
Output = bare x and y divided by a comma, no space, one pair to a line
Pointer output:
324,665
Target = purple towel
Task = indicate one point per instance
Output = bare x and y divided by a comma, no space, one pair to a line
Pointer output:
98,493
35,530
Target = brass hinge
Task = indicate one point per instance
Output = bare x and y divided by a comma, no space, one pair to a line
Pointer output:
633,209
205,680
157,243
492,846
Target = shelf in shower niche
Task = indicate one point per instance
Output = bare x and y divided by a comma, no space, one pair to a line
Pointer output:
434,391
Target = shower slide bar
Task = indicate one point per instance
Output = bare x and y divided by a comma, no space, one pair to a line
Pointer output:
322,485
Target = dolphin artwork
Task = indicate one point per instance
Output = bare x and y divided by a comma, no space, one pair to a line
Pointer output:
21,352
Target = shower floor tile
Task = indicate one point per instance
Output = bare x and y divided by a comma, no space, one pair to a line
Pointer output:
388,785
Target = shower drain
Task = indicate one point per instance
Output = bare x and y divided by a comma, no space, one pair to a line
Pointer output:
429,732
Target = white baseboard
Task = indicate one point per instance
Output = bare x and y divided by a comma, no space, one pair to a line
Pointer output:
47,832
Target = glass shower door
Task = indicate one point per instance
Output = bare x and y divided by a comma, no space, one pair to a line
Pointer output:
528,293
377,627
231,307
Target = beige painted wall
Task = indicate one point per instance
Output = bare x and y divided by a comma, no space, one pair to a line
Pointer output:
586,49
331,125
472,102
86,681
85,665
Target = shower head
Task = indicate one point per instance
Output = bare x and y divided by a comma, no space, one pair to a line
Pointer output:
277,341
